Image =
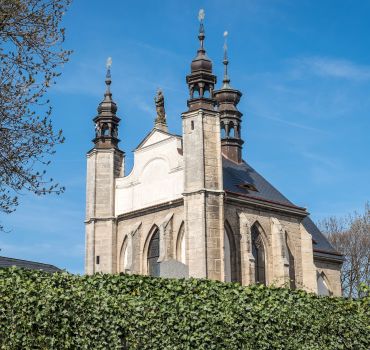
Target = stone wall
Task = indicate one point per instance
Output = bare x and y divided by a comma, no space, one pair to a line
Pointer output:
282,236
331,273
203,194
142,226
103,165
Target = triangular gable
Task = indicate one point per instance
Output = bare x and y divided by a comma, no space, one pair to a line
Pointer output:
153,137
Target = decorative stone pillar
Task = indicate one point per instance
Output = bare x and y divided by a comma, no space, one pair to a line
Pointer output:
247,259
309,280
280,260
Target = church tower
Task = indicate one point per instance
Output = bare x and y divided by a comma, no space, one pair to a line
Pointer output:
203,188
230,117
105,162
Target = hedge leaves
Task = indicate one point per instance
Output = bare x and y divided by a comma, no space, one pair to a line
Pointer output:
64,311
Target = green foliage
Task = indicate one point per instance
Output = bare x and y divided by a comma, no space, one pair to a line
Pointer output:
64,311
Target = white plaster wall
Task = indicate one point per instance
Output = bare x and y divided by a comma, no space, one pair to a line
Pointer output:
157,175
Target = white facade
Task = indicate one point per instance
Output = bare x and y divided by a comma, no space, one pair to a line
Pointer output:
157,174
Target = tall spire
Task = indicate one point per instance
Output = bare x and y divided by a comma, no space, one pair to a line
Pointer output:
230,117
201,80
106,122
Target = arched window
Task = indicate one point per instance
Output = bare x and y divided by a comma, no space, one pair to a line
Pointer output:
153,255
206,92
181,245
231,130
124,256
196,93
258,252
291,263
223,131
105,130
322,285
227,258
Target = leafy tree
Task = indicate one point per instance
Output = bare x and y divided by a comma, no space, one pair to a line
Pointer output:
350,235
31,56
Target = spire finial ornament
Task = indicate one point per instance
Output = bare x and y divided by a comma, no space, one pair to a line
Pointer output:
230,118
201,35
108,78
106,122
226,80
160,120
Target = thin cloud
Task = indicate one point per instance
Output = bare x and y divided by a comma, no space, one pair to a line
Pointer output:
295,125
334,68
329,162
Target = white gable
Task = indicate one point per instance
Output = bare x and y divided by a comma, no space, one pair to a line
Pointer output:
157,174
155,136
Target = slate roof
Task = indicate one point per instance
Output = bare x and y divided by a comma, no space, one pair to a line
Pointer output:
237,174
32,265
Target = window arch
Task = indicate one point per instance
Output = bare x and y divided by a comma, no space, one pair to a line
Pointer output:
291,263
105,130
323,285
181,245
124,256
231,257
231,130
227,258
259,254
223,131
153,254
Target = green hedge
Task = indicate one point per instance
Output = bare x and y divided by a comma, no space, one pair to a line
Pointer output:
64,311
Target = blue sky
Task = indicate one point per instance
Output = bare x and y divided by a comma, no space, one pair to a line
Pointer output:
303,68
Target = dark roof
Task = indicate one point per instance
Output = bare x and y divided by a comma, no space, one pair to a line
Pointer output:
238,174
321,245
32,265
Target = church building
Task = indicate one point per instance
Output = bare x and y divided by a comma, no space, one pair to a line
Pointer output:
191,206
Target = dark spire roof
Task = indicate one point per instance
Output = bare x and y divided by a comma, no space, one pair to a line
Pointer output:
201,80
230,117
106,122
201,62
107,106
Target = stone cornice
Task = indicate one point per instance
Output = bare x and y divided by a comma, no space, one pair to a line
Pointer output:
154,208
231,197
104,150
204,190
328,256
109,218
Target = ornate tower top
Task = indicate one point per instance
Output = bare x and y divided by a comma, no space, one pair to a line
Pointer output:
201,81
230,117
160,120
106,122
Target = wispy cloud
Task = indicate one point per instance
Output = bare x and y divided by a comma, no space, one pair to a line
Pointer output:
295,124
334,68
328,162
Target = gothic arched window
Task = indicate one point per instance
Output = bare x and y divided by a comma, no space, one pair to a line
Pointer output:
227,258
124,256
322,285
181,245
258,252
153,254
291,264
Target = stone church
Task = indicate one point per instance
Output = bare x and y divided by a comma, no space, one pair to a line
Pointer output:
191,206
